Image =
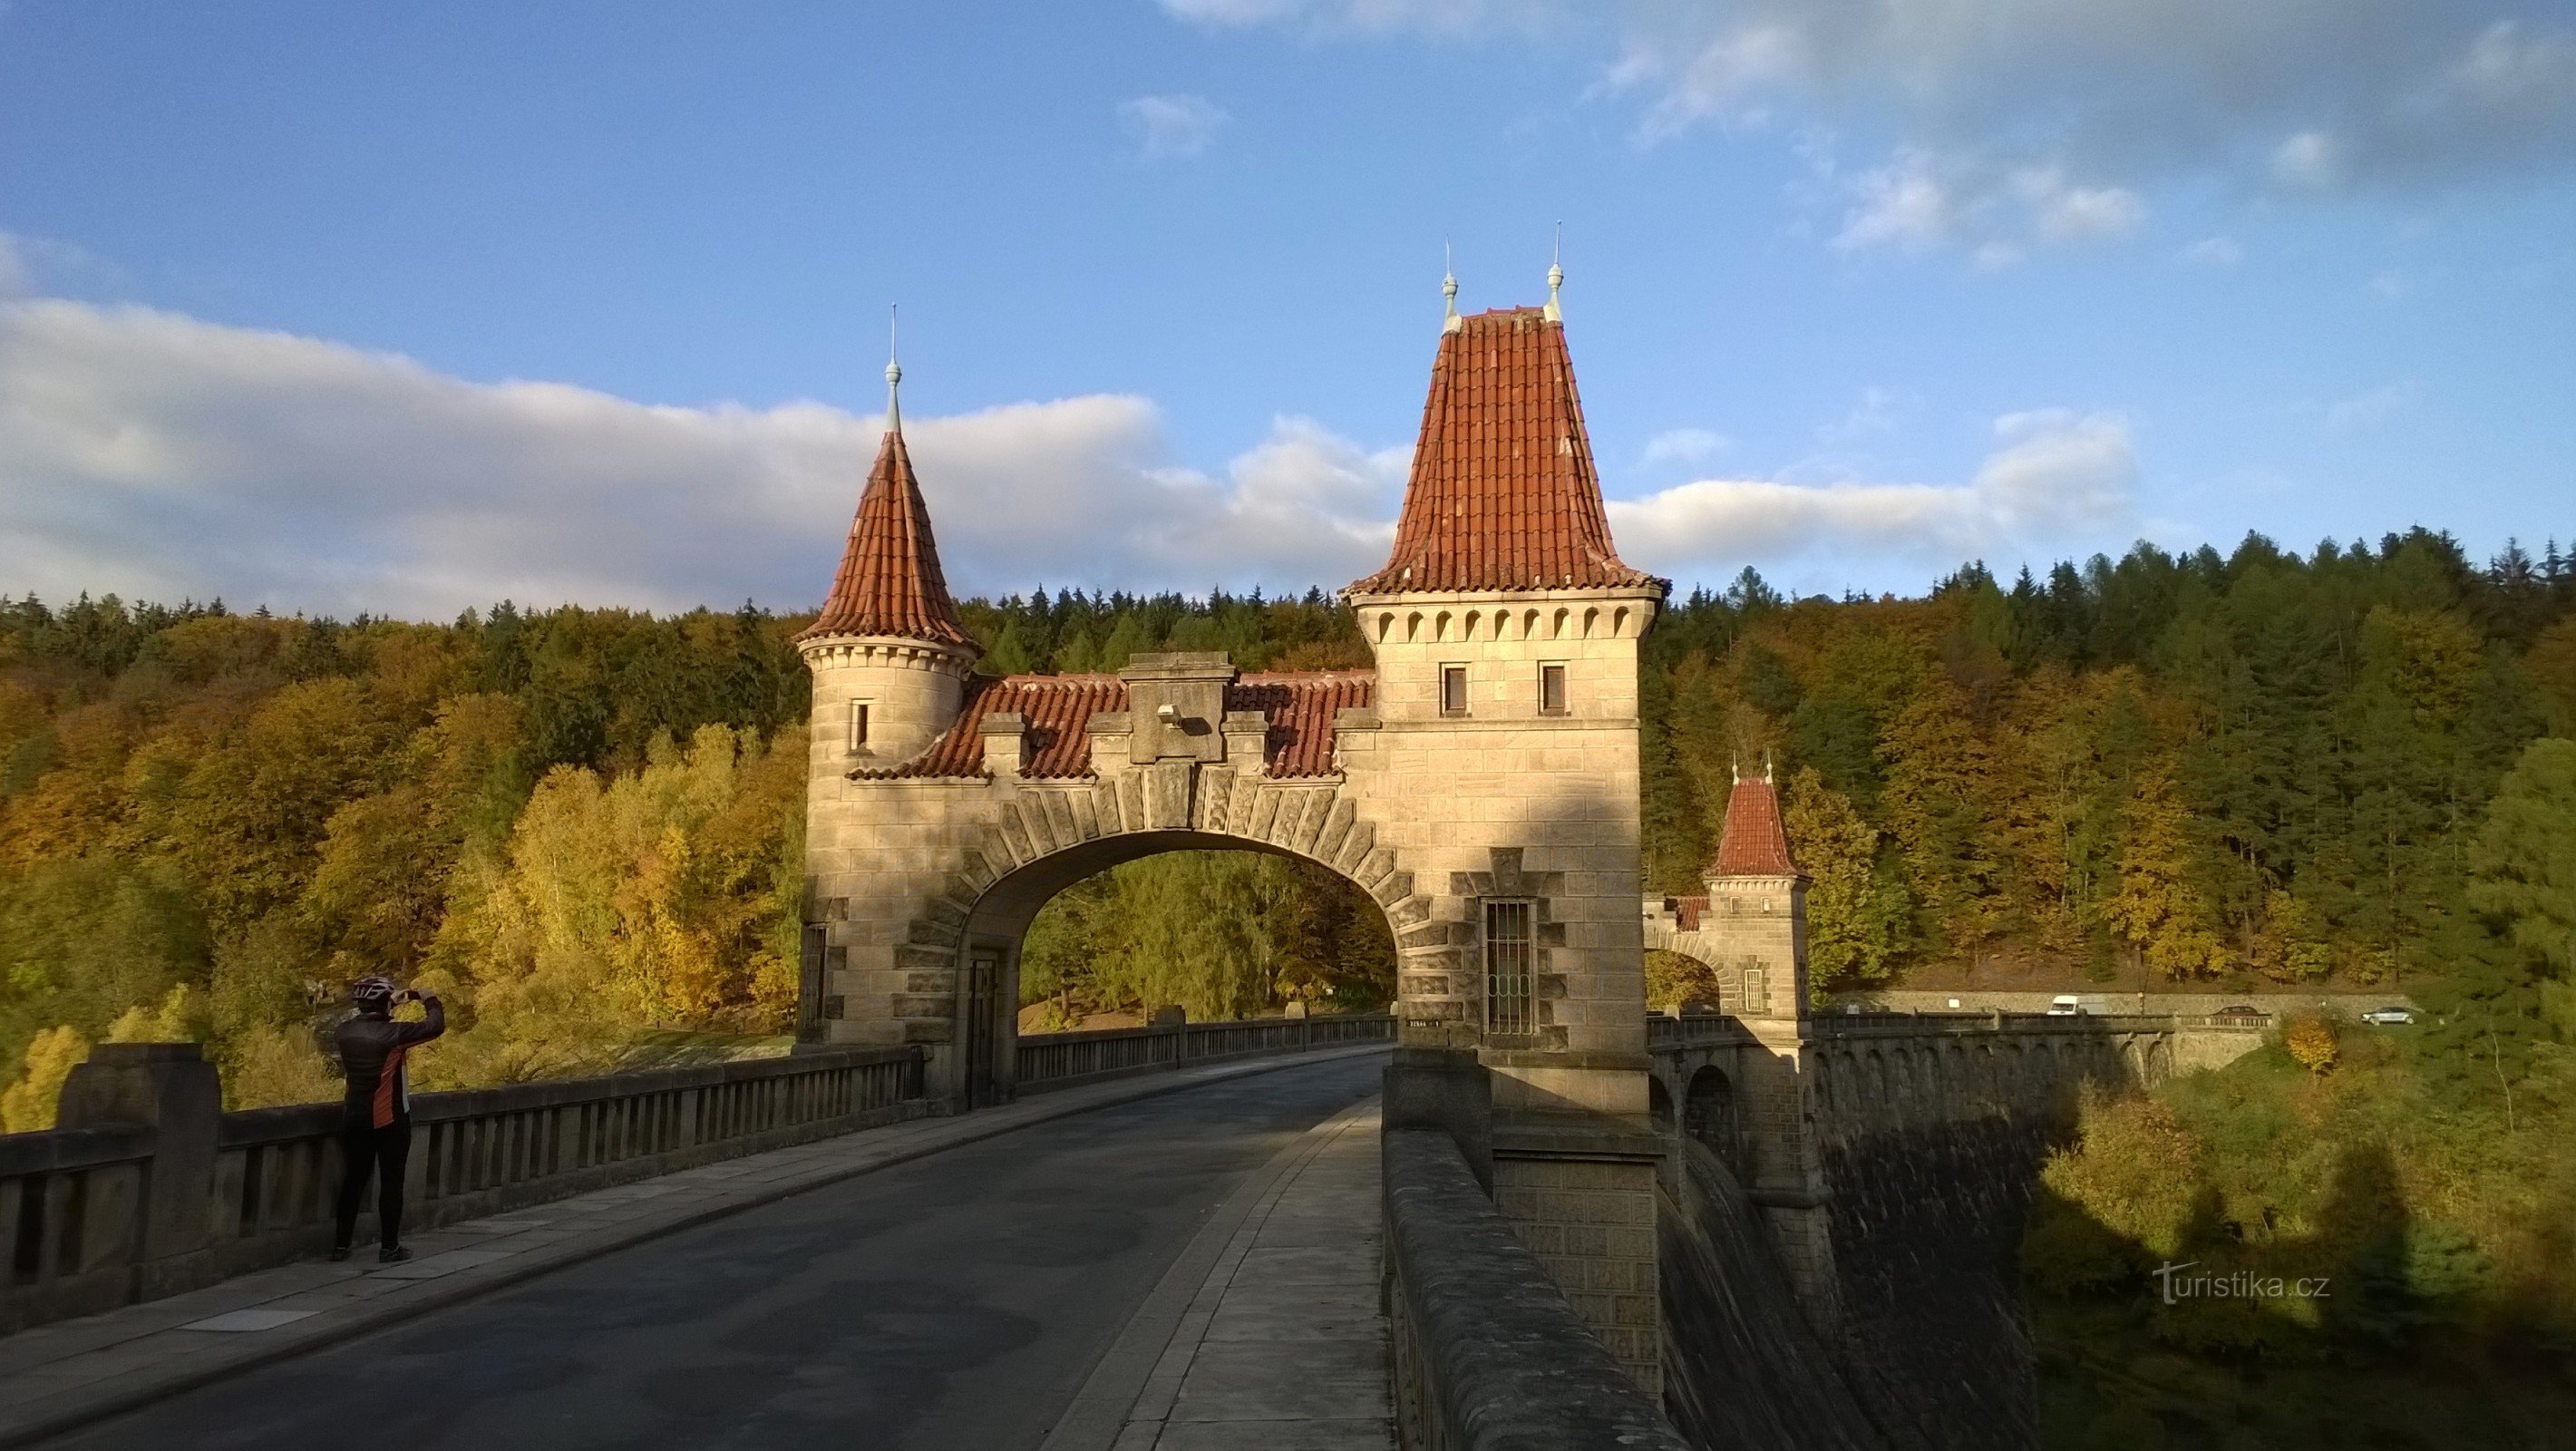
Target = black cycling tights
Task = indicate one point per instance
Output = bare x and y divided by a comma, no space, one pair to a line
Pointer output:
383,1151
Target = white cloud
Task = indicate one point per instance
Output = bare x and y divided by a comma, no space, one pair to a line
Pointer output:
2096,100
2215,252
1685,446
159,456
2053,477
1920,199
1167,128
2062,211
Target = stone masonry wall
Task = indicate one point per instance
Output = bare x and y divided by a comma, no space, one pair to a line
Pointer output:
1593,1225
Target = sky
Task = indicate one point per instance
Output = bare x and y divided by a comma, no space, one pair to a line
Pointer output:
405,309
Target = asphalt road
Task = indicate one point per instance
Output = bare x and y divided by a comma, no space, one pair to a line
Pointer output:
954,1302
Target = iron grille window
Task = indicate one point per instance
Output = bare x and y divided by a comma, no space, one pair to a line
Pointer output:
1453,690
858,726
1551,690
1511,968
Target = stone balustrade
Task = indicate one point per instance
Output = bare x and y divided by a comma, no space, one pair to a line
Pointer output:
1058,1060
148,1188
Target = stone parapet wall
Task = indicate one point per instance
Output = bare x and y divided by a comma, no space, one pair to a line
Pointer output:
2278,1004
1490,1354
150,1189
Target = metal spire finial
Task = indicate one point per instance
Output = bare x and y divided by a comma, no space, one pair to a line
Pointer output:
1555,274
1449,288
894,376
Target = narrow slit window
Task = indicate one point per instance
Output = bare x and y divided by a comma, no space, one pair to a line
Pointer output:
1551,690
1453,690
1511,969
858,726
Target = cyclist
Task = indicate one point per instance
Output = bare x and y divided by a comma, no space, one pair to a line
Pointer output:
375,1127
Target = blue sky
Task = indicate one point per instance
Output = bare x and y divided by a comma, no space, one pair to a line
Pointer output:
347,307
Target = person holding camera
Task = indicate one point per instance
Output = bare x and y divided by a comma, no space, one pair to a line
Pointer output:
375,1127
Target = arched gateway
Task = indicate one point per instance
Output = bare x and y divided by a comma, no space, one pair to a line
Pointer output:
1480,784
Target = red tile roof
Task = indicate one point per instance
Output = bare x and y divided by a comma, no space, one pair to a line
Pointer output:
1503,495
1686,912
1753,843
889,581
1300,706
1059,708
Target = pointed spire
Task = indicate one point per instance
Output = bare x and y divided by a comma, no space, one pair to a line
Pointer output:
1449,288
889,582
1753,843
1555,275
1503,494
894,376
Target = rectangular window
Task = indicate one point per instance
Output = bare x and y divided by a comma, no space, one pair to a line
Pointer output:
858,726
1453,690
1551,690
1511,969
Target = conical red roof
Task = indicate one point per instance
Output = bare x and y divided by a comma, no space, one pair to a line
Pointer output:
1753,843
1503,495
889,581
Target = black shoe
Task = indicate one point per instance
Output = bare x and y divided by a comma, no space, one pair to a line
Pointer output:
392,1254
339,1252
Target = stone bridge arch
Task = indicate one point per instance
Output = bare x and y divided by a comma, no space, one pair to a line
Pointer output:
962,945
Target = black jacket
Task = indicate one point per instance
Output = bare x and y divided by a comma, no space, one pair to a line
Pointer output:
371,1053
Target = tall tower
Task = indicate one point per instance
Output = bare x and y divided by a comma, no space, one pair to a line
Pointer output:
1501,760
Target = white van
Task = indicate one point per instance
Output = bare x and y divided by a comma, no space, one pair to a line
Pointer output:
2066,1005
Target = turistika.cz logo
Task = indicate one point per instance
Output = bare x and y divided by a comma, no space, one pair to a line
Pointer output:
2176,1287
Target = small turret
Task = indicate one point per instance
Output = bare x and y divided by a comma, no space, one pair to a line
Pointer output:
888,653
1757,900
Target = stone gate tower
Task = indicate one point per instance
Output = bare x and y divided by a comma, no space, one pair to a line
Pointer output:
1480,785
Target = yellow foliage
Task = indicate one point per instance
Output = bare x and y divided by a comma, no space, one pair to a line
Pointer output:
29,1103
271,1066
2311,1041
662,898
2134,1169
179,1017
1672,978
2157,906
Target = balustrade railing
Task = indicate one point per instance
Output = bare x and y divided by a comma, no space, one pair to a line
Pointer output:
151,1189
1056,1060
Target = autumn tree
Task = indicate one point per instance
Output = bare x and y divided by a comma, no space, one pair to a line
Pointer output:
1856,910
2156,906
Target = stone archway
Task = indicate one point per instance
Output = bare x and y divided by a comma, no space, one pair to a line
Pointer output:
995,926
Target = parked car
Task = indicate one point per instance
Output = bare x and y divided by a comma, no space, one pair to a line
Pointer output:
2066,1005
2395,1014
2242,1015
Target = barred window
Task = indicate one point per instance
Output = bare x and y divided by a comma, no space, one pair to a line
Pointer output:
1511,969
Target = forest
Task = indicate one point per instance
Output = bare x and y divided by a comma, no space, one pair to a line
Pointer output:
582,825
